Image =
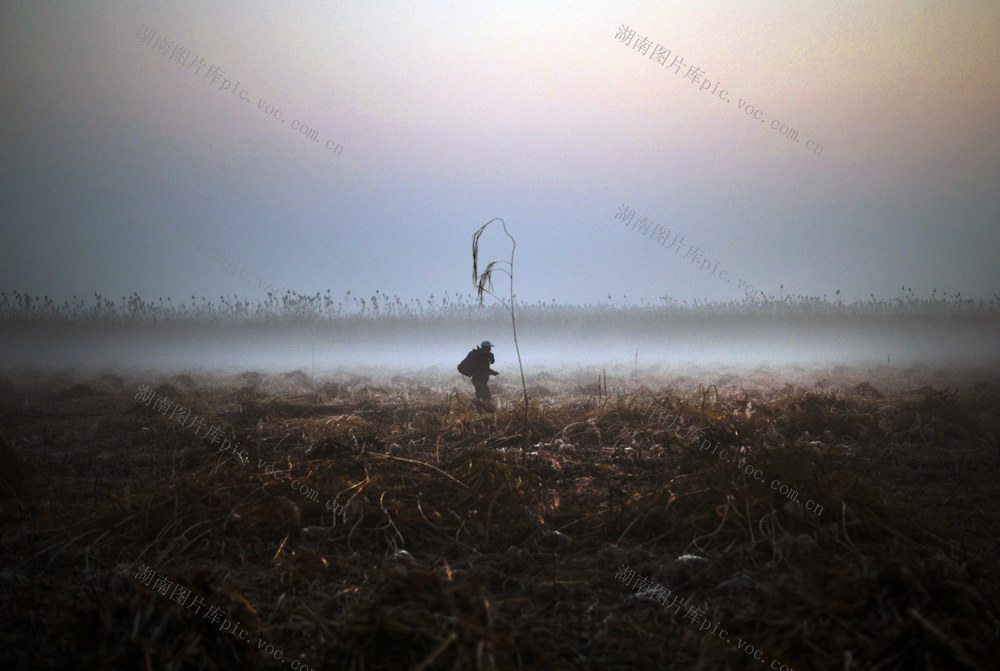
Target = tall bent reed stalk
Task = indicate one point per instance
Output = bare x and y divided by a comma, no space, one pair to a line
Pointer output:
484,285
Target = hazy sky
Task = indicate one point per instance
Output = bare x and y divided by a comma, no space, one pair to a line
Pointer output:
122,167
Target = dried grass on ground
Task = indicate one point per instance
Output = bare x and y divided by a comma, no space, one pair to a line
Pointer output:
450,548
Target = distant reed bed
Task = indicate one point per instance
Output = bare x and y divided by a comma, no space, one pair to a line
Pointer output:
294,309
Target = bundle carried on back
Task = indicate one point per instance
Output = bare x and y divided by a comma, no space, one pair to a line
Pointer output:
466,367
478,361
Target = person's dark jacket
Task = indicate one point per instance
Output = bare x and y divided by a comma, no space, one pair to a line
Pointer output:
480,360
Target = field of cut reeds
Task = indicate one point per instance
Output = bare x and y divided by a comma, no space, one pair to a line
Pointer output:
252,521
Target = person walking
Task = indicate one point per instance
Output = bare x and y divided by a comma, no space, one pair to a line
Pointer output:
476,365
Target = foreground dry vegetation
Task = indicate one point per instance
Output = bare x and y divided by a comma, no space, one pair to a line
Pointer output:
434,541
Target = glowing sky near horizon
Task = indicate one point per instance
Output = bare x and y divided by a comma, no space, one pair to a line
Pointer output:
121,168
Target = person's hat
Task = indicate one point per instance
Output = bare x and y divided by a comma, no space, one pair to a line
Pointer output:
486,343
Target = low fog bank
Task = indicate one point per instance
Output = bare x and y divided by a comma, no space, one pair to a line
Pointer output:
343,386
631,341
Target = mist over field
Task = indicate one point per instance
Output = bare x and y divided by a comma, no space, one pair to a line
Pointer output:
746,335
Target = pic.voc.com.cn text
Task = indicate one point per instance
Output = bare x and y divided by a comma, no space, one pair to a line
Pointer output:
644,590
693,435
663,235
187,599
182,56
213,435
668,59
